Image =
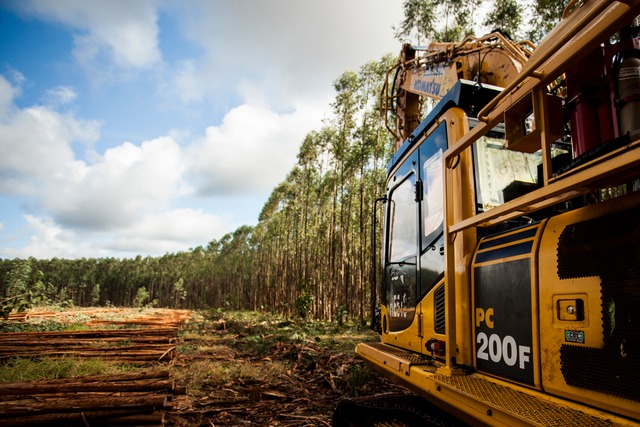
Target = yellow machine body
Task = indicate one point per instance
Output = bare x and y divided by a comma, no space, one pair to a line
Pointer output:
511,264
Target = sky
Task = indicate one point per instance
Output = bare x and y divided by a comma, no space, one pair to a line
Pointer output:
145,127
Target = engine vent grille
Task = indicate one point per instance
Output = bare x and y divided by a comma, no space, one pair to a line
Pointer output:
439,312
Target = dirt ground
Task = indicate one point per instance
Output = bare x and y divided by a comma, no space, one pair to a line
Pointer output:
262,373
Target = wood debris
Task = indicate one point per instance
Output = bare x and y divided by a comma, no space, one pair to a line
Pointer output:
302,395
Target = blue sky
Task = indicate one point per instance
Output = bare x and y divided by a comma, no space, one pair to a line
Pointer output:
141,127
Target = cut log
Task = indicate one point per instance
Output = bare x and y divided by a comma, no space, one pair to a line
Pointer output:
92,333
78,404
92,418
82,386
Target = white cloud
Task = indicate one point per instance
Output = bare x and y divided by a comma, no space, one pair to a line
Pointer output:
122,202
48,240
251,151
290,50
128,35
155,234
128,181
60,95
7,92
185,82
170,231
36,143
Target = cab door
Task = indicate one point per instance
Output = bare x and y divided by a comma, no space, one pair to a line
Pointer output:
414,260
401,261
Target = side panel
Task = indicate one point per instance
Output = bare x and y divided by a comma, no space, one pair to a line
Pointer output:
505,303
590,305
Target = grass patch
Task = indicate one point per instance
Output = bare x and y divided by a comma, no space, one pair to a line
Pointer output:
214,374
258,332
359,377
26,369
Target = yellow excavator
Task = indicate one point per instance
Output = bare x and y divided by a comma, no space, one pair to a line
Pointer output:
509,289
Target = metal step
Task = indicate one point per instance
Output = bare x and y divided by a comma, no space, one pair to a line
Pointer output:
393,357
485,400
526,407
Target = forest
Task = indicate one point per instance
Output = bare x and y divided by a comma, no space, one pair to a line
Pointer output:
311,253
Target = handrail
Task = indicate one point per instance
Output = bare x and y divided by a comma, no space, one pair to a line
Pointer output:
572,185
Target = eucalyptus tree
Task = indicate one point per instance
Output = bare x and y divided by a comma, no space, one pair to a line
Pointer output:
505,16
441,20
311,167
345,108
236,256
546,14
371,151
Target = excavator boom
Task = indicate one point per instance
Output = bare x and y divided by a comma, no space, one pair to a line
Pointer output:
430,72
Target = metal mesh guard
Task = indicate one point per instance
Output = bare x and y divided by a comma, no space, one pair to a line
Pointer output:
409,357
520,404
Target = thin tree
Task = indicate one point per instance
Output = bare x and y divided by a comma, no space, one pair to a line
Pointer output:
505,16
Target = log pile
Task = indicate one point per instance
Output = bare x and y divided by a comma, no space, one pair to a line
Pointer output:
143,345
110,316
115,400
157,317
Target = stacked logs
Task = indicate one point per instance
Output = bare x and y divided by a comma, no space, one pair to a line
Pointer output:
105,316
123,345
113,400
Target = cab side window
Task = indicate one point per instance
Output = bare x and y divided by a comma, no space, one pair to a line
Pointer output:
400,268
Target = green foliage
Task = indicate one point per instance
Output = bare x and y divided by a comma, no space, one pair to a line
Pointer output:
95,294
341,314
41,325
358,376
452,20
442,20
420,16
259,333
303,304
505,16
546,15
304,300
141,297
180,293
23,288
